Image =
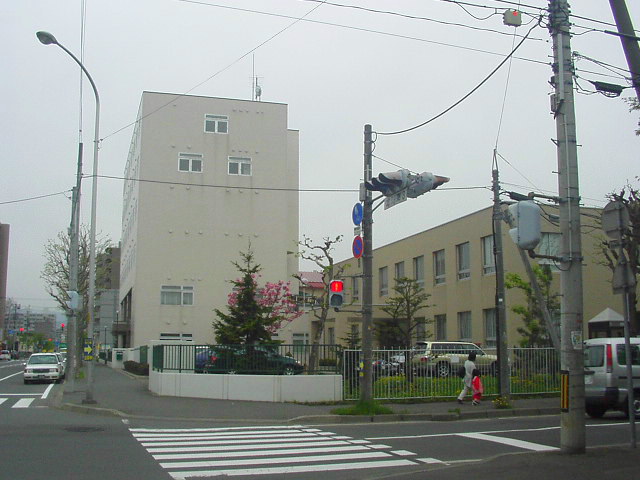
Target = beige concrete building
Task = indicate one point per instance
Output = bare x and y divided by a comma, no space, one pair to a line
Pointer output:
454,263
206,178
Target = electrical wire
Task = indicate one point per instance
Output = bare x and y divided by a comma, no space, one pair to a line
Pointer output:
468,94
36,198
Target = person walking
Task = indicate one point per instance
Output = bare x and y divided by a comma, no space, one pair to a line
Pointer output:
478,389
469,367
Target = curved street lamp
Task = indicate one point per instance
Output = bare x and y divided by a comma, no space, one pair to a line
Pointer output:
47,38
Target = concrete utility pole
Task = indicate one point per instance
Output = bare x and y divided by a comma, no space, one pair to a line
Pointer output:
572,437
501,320
366,387
629,40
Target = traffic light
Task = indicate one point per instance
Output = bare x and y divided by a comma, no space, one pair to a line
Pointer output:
336,293
526,216
423,183
389,183
62,326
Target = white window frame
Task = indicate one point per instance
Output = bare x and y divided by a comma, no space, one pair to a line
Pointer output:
488,258
355,288
463,256
465,331
193,159
383,281
176,295
220,123
399,271
439,267
490,330
242,165
550,244
418,270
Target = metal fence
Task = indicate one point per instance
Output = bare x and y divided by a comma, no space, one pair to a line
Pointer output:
248,359
396,376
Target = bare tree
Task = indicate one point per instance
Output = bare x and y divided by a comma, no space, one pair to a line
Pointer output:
321,255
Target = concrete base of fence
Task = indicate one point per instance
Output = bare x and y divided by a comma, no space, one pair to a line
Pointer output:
263,388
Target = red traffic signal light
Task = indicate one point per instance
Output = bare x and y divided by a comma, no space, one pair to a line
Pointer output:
62,325
336,293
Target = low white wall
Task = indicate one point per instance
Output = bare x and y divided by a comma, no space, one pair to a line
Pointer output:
264,388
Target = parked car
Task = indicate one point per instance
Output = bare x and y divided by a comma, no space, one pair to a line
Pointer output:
42,366
63,363
5,355
443,358
248,359
605,376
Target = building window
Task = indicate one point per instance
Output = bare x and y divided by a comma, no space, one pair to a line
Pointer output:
216,123
488,259
549,245
418,270
239,166
462,252
464,326
355,288
399,271
489,315
185,337
299,342
176,295
439,273
441,327
190,162
383,280
331,336
421,329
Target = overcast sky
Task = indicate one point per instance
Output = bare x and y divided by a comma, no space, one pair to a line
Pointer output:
337,69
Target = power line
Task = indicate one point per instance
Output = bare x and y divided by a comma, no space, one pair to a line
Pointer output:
35,198
467,95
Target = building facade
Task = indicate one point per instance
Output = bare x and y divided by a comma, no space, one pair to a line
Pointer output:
454,263
207,178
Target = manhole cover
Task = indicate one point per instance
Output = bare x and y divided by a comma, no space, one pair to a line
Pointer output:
84,429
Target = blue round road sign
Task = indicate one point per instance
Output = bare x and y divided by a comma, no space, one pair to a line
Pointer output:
357,214
358,246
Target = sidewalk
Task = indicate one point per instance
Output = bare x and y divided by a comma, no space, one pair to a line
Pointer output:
119,393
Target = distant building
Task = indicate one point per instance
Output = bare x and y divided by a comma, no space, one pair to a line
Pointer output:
107,298
454,263
206,179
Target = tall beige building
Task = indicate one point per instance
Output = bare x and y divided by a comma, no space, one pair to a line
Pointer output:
206,179
454,263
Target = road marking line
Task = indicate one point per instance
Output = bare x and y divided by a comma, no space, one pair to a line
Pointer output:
258,461
403,453
229,448
430,460
23,403
510,441
293,469
223,439
453,434
46,392
2,400
247,434
220,429
251,453
12,375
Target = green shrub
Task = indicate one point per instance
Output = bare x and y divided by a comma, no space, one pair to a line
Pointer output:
136,368
328,362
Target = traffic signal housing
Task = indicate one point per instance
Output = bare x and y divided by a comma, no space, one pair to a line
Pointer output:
336,293
389,183
526,216
74,300
424,183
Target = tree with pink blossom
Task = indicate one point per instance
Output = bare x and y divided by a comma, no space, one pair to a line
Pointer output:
254,313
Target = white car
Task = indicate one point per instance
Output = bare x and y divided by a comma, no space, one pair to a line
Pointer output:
43,366
63,363
5,355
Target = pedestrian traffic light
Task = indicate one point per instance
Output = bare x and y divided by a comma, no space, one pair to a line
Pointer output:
336,293
423,183
526,217
389,183
62,326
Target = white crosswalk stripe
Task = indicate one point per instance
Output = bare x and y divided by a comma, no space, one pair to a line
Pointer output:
15,402
247,451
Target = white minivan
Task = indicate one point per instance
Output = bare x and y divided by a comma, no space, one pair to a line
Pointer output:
605,375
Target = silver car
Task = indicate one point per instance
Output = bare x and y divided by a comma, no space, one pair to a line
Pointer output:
605,375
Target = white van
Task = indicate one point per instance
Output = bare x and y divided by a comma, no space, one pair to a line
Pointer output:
605,375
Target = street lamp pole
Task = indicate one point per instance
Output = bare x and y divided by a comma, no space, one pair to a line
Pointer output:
48,39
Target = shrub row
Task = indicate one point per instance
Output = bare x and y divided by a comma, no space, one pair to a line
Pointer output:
136,368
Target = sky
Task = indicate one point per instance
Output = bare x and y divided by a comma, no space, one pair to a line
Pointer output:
337,68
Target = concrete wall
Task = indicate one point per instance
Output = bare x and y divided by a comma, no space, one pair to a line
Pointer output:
263,388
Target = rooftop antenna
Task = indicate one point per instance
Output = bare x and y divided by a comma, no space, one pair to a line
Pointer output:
256,89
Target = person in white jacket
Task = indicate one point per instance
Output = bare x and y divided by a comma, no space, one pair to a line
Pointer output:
469,367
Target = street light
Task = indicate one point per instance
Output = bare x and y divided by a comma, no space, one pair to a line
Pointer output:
48,39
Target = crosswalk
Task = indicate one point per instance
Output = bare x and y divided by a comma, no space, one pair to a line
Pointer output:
16,402
264,450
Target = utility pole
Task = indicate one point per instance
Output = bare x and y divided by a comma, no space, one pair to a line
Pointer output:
504,388
629,41
572,436
366,387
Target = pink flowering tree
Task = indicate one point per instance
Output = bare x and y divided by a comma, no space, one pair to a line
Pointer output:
254,313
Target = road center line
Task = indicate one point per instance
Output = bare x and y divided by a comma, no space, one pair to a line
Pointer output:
510,441
12,375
